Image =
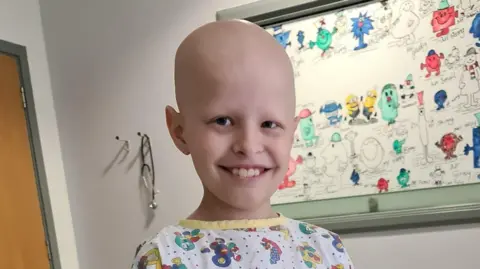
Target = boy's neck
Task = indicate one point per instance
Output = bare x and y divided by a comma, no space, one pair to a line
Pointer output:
213,209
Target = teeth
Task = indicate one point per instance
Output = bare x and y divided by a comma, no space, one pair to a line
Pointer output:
242,172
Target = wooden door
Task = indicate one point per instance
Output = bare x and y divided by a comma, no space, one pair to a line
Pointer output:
22,236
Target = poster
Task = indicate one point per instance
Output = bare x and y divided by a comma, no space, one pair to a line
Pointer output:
388,96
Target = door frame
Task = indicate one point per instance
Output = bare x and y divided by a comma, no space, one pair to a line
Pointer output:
19,52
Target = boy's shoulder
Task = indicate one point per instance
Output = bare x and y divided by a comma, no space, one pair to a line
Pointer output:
281,243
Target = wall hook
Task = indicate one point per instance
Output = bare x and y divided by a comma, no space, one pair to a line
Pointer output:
126,143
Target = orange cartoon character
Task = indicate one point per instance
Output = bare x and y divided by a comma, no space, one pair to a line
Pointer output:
443,18
292,167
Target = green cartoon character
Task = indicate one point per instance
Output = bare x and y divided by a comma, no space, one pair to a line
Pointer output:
187,239
388,103
307,128
324,38
398,146
403,177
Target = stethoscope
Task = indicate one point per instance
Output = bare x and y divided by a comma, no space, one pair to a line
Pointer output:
148,169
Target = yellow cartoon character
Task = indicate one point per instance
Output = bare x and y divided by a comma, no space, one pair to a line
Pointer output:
309,255
151,260
338,266
369,104
353,107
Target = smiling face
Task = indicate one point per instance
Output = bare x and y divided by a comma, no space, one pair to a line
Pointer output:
238,119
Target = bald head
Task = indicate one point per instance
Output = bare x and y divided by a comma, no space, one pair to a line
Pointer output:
224,51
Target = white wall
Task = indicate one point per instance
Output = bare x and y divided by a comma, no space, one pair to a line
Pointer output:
20,23
111,64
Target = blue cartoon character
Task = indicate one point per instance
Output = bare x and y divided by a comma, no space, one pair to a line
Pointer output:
440,98
388,103
475,147
336,242
355,176
301,39
332,109
307,228
176,264
309,255
282,36
475,29
275,250
307,128
223,253
362,25
324,38
187,239
403,177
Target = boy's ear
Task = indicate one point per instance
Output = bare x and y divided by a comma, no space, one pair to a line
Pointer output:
175,128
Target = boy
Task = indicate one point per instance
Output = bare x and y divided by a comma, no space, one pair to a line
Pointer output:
235,93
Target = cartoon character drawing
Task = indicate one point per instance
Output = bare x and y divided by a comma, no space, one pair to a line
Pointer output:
382,185
470,78
407,91
275,250
324,38
426,7
398,146
307,228
423,129
335,157
292,167
187,239
355,176
310,161
223,253
440,98
432,63
301,39
475,147
369,104
443,18
151,259
353,107
448,144
309,255
388,103
341,23
282,36
332,110
405,24
437,175
362,25
403,177
453,57
307,128
475,29
176,264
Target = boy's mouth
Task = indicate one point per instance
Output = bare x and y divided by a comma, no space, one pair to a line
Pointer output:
246,172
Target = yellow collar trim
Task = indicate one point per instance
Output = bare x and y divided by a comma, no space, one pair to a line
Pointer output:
232,224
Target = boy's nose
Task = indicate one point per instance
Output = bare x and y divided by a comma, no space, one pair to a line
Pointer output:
248,143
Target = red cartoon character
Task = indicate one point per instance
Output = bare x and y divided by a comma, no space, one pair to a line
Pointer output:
448,144
433,62
444,18
292,167
382,185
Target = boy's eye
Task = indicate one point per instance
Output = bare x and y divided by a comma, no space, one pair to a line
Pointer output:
269,124
224,121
